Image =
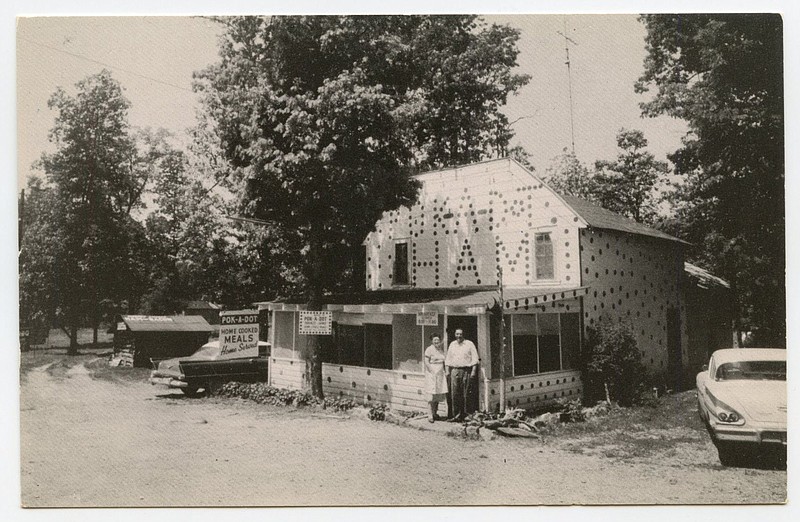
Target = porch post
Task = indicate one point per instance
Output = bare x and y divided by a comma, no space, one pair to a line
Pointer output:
485,353
272,346
295,317
503,343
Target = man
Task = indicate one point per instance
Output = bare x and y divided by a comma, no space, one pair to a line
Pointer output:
461,361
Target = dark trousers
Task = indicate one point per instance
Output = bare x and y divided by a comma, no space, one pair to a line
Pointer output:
460,391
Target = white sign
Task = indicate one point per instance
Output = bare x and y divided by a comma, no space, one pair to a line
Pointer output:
238,334
427,319
476,310
315,322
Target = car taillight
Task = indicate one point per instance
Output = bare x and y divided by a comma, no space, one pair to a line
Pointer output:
731,416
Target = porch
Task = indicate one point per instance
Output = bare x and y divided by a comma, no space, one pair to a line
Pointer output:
375,352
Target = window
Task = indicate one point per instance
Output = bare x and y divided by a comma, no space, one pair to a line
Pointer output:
544,256
350,345
752,371
400,268
368,345
284,334
549,343
570,341
525,349
378,346
545,342
409,341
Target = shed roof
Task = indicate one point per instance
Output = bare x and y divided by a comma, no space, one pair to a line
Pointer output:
166,323
599,217
704,278
202,305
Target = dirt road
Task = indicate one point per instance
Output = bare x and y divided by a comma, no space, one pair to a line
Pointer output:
90,442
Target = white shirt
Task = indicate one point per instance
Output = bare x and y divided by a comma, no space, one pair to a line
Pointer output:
461,354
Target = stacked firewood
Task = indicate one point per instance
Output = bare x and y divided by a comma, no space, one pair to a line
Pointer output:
512,423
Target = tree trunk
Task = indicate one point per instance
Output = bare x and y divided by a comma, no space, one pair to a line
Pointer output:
73,338
314,363
315,271
95,321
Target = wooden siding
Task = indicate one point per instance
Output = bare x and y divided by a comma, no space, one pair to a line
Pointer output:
405,390
468,221
532,391
400,390
287,373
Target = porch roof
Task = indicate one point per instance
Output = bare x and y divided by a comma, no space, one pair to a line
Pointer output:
474,300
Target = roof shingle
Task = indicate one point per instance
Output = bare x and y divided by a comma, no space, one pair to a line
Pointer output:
599,217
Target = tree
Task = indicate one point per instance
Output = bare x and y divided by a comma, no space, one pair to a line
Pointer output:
723,74
522,156
39,250
628,184
94,187
567,175
323,116
197,251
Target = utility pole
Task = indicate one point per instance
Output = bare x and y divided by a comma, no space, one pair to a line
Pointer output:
567,41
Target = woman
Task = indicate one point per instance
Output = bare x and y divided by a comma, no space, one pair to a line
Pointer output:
435,379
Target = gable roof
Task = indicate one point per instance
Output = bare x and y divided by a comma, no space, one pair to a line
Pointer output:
599,217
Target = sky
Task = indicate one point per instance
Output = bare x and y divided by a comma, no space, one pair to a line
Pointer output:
154,57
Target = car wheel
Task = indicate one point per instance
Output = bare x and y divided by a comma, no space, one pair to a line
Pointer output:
193,391
213,387
728,453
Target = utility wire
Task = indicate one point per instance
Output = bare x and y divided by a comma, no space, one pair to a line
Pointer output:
114,67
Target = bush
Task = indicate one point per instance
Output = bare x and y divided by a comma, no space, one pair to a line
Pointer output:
614,368
377,412
571,410
264,394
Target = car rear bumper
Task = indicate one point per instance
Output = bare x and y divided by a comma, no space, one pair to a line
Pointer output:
168,381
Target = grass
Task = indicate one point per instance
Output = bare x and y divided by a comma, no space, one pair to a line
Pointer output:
56,338
637,432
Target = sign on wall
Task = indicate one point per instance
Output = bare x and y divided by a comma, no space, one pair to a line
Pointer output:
238,334
427,318
314,322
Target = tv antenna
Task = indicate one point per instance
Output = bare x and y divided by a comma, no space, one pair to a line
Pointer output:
567,41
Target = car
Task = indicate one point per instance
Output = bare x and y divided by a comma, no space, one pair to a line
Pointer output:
206,369
741,398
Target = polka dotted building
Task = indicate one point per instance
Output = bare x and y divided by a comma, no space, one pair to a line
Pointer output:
565,265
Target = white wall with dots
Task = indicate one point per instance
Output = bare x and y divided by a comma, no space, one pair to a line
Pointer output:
471,220
636,279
